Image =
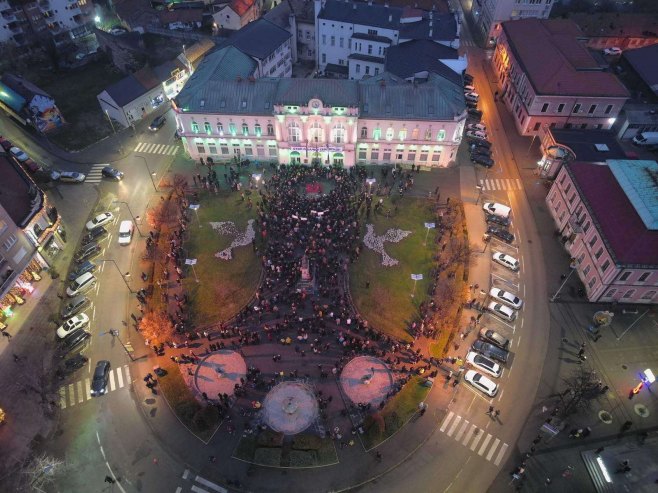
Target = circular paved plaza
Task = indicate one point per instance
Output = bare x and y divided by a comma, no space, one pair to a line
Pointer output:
218,373
290,407
366,380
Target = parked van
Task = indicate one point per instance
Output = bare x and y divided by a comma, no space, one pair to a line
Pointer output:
81,284
125,232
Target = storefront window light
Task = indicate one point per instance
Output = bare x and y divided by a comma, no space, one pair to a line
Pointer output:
208,128
441,135
220,129
377,133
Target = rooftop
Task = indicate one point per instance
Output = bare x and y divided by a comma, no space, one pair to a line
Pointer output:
259,39
226,63
180,15
619,223
565,66
617,24
303,10
643,61
592,146
19,196
639,180
133,86
414,57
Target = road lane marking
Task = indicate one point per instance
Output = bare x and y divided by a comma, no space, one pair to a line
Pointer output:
462,430
186,473
518,342
179,489
196,489
493,449
484,444
112,386
518,183
71,394
88,388
454,426
209,484
500,454
469,435
62,397
446,421
476,440
120,378
500,396
126,370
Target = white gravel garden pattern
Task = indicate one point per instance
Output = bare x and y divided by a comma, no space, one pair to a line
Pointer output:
228,228
376,243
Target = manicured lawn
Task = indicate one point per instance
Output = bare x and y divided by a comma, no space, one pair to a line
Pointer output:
397,411
387,304
271,449
224,286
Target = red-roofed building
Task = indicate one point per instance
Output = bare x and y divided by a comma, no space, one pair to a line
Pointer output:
550,79
607,215
235,14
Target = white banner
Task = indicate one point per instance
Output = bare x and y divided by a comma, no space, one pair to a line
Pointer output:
194,207
190,261
417,277
430,225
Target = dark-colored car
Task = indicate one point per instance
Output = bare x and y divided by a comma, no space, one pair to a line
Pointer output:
101,375
500,233
475,114
493,219
157,123
468,78
83,268
476,144
74,339
494,338
491,351
480,151
485,161
74,306
87,251
112,173
93,235
31,166
6,144
471,105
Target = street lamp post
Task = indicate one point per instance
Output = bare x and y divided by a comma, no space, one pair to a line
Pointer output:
557,293
123,276
110,120
149,171
135,218
479,188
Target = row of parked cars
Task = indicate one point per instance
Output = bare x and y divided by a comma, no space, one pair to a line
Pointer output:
498,220
476,132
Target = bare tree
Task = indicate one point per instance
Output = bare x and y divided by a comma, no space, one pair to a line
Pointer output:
157,327
39,472
580,389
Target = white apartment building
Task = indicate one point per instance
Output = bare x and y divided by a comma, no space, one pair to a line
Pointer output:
489,14
352,38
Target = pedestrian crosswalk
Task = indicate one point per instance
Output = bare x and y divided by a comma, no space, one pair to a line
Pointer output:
501,184
94,175
148,148
208,486
473,437
78,392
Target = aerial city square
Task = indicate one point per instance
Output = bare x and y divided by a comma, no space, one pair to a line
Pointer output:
328,246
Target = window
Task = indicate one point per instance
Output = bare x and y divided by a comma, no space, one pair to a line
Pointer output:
625,276
212,148
560,107
231,129
599,253
340,42
592,109
402,134
324,58
576,108
248,150
195,127
236,149
544,108
372,32
362,154
411,156
9,242
605,265
587,269
414,134
245,129
358,68
207,127
644,276
568,187
592,282
260,150
377,133
610,293
436,157
376,70
629,293
536,127
387,155
257,130
367,69
389,134
428,134
333,41
374,155
324,39
593,240
316,133
369,49
364,132
294,134
608,109
270,129
224,148
398,156
338,133
423,157
648,295
586,227
220,128
441,135
272,150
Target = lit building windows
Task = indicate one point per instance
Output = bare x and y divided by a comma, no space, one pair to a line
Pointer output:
294,133
195,127
258,130
389,134
208,128
338,133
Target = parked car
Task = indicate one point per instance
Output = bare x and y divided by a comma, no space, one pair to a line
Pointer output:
476,135
126,229
83,268
157,123
475,114
468,78
497,209
112,173
6,144
94,235
19,154
613,51
500,233
469,88
74,306
77,322
471,105
485,161
490,351
100,220
483,363
81,284
71,177
479,143
502,221
490,335
477,127
482,383
472,96
86,252
502,311
101,376
510,299
74,339
118,31
31,165
505,260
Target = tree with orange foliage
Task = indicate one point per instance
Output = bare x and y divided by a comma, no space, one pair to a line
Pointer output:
156,327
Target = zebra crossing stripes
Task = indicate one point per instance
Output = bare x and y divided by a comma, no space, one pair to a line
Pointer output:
78,392
148,148
202,481
477,440
501,184
94,175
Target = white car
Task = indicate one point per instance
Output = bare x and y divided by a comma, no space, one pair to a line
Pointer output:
510,299
469,88
100,220
482,383
73,323
477,127
502,311
476,134
19,154
496,209
612,51
483,363
71,177
506,261
472,96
